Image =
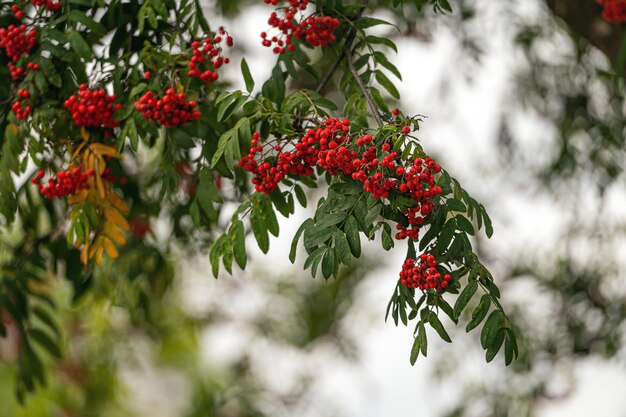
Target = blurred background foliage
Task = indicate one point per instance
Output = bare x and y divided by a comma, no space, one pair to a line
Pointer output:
568,78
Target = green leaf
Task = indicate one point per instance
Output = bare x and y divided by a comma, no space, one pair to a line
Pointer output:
386,82
415,350
343,248
438,326
315,257
456,205
238,236
329,219
479,313
464,298
45,341
464,224
259,229
487,220
423,341
368,22
247,76
222,144
80,46
328,264
296,238
300,195
494,322
495,345
510,347
352,234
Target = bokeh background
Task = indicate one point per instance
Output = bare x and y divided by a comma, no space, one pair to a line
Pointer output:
529,116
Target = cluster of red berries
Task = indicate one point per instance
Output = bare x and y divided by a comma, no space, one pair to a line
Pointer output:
316,31
614,10
209,52
298,161
423,275
19,72
51,5
173,110
16,41
66,182
419,183
331,147
21,108
93,108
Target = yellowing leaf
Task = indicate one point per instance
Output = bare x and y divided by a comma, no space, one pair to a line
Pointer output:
110,248
117,202
99,254
114,233
116,218
84,134
101,149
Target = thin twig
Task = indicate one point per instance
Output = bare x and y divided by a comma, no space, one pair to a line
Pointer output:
341,56
330,72
362,85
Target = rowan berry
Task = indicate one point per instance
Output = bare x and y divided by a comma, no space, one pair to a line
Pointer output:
207,56
172,110
16,41
423,275
93,108
66,183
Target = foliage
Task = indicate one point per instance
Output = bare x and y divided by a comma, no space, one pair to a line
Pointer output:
199,169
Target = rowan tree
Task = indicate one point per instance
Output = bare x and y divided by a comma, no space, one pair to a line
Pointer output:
93,87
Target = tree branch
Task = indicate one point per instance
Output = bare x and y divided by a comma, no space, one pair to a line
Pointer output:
342,55
362,86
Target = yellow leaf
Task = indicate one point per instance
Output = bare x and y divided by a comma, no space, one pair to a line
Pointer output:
117,202
78,150
99,254
84,134
110,248
94,246
116,218
101,149
84,254
13,127
79,197
114,233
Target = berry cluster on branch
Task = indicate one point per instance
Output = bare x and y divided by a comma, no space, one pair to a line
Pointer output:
423,275
207,56
291,23
172,110
16,41
66,183
93,108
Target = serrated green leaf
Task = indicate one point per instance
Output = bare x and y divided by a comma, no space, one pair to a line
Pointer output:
352,234
296,238
494,322
80,45
436,324
247,76
464,298
479,313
